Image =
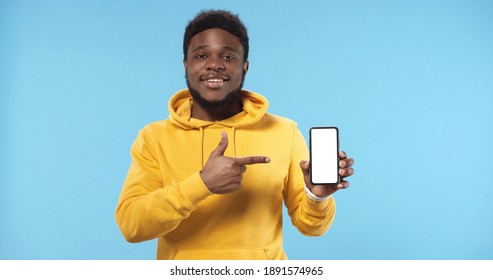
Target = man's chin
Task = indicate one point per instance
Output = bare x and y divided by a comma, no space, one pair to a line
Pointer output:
216,105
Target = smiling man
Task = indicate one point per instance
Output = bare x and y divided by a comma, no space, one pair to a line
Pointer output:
209,182
215,68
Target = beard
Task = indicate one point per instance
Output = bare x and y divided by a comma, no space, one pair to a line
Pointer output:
218,106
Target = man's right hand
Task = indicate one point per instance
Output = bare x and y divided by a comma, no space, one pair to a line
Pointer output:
222,174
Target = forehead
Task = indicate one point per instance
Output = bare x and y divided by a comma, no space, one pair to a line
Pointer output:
215,38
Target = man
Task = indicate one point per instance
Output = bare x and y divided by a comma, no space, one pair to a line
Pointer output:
209,182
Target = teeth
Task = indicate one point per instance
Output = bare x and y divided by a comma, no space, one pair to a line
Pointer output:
215,80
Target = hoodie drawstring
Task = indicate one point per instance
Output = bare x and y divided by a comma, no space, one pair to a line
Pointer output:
202,148
234,141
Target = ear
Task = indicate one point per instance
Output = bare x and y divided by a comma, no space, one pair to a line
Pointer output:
185,65
246,64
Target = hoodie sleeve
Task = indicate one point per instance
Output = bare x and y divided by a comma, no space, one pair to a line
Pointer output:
309,217
147,209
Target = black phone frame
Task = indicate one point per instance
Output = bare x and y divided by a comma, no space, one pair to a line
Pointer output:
338,158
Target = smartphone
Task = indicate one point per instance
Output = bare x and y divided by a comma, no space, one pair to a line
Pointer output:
324,155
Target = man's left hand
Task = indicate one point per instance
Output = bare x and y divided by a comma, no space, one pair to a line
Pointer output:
345,170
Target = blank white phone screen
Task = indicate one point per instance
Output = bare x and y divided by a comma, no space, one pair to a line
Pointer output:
324,159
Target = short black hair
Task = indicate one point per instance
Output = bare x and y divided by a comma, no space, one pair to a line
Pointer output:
221,19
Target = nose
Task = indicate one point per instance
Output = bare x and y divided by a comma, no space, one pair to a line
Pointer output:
214,64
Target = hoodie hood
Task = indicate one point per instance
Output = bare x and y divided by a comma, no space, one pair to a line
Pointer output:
180,108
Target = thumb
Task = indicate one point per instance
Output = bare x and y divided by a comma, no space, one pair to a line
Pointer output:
221,147
305,167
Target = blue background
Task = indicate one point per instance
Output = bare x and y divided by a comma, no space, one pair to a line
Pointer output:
409,84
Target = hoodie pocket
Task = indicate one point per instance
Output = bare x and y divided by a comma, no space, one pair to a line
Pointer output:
256,254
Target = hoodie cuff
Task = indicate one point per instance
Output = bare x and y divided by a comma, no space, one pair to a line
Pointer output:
194,190
318,207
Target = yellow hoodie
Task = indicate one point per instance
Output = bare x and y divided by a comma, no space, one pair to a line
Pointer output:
164,197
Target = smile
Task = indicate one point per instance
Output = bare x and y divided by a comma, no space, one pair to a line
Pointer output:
214,83
214,80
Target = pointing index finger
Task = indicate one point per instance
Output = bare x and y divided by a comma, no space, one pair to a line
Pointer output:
251,160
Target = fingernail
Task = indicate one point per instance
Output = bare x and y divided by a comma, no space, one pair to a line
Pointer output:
267,160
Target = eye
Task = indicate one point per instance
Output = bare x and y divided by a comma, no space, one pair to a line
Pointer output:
228,57
201,56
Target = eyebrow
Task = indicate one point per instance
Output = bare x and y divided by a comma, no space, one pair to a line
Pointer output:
207,46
